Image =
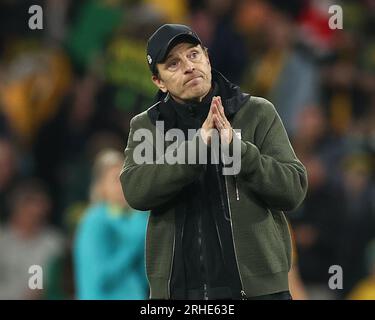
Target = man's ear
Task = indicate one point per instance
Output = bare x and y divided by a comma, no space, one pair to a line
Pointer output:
159,83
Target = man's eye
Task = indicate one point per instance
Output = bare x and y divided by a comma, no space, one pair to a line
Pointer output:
193,55
172,64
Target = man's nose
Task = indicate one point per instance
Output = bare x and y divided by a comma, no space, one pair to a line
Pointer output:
188,66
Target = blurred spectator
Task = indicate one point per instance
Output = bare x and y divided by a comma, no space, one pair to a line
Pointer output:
336,219
109,243
26,240
282,73
31,89
227,44
314,29
61,143
87,37
315,222
357,218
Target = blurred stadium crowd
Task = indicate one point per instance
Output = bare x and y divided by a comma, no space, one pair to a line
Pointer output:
68,92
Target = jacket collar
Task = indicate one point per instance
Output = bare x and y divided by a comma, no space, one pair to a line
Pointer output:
232,97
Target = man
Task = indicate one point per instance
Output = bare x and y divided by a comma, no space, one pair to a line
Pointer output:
210,235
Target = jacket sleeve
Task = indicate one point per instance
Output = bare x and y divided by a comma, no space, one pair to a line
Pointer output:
271,169
149,185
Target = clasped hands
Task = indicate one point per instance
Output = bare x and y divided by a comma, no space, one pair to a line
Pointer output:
216,120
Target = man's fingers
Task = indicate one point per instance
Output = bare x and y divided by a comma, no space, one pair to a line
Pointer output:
221,108
209,121
214,103
216,116
219,122
218,107
213,109
209,116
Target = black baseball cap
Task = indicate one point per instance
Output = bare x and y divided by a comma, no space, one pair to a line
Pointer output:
164,39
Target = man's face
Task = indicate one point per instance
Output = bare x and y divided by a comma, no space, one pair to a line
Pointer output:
185,74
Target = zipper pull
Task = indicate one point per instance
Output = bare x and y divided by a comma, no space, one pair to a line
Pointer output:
237,193
243,295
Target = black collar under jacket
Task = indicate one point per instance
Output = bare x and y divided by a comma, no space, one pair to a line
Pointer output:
231,95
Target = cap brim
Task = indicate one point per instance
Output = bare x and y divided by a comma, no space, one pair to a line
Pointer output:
182,37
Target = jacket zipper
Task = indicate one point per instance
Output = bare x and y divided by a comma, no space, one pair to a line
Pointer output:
205,295
221,191
201,260
223,207
237,193
243,294
170,273
148,281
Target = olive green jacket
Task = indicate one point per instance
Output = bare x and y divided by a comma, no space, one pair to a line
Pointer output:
271,181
